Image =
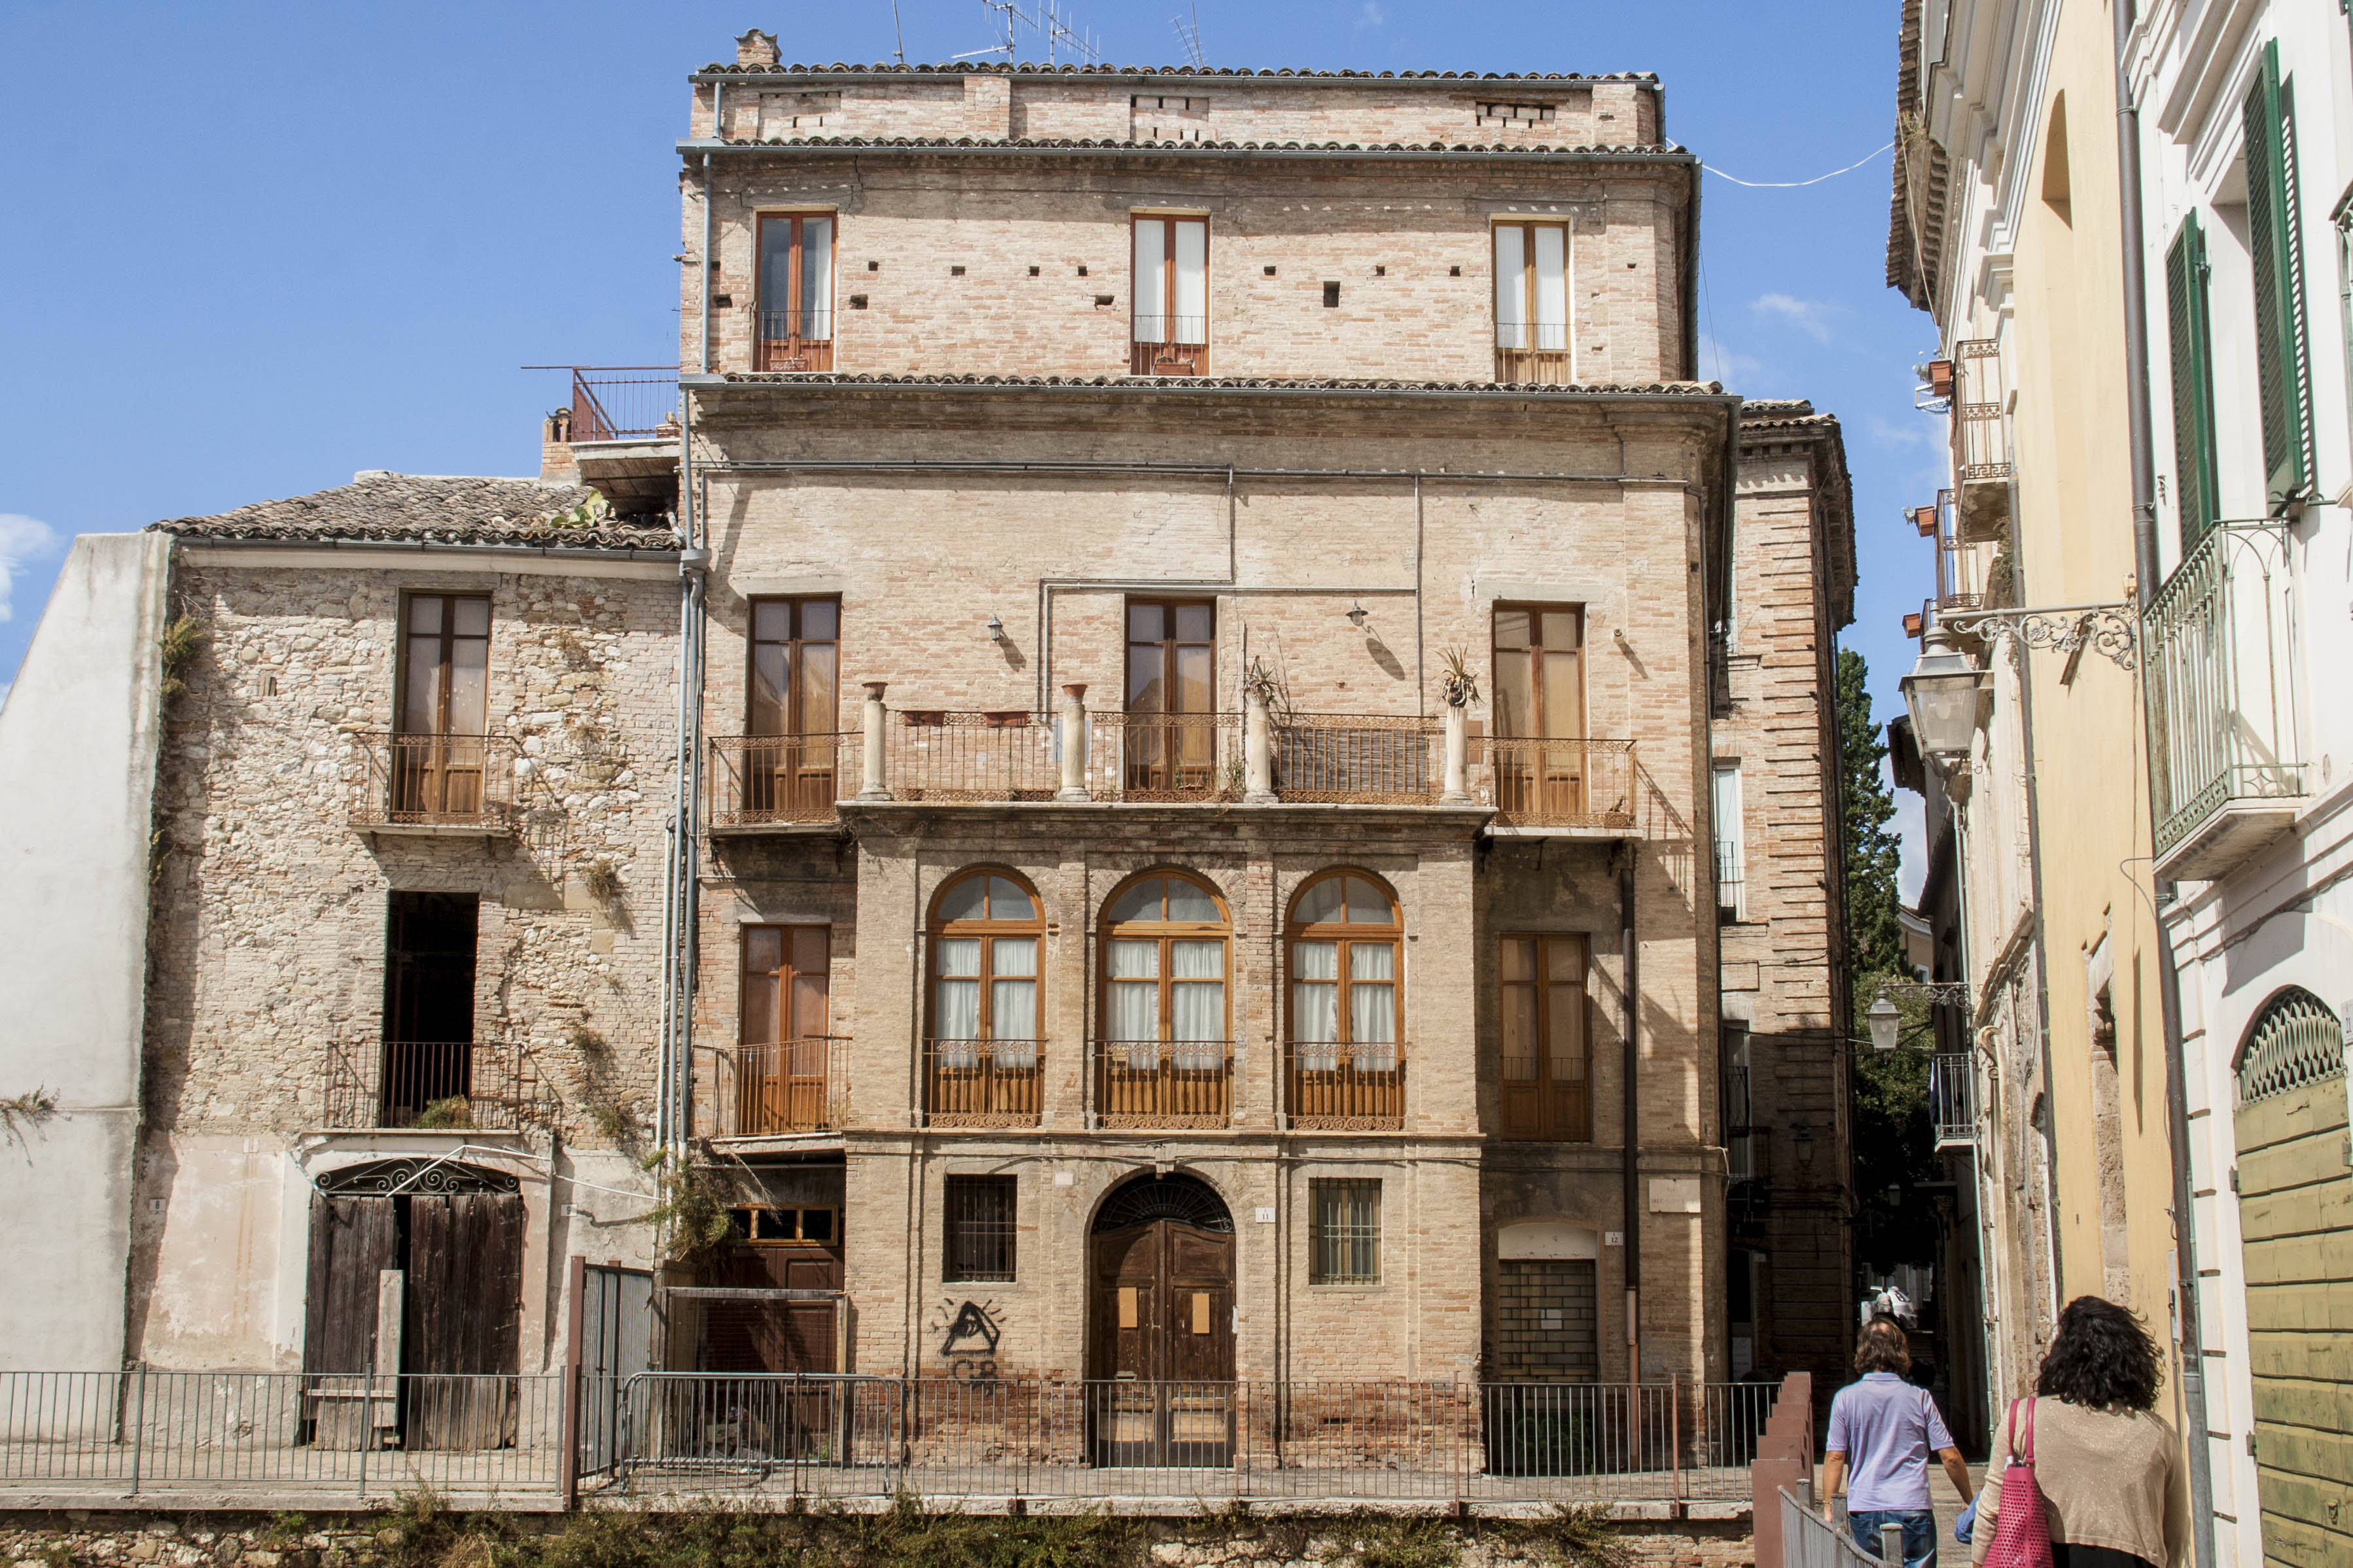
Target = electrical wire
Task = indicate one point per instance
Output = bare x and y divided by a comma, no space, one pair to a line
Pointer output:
1795,185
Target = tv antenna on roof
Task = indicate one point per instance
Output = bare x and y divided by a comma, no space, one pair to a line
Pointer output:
1189,33
898,34
1060,32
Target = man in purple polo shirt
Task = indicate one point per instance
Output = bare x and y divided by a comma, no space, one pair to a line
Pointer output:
1885,1429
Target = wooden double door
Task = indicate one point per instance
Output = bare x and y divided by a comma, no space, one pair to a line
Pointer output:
1161,1344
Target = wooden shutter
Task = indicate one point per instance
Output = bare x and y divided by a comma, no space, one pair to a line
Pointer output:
2194,477
2281,357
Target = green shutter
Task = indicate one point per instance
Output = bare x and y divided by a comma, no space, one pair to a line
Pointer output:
2282,358
2194,479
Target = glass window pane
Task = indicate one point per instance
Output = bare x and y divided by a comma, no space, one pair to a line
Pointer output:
1196,623
1144,623
772,620
1135,960
1520,1033
967,900
1151,281
1372,961
817,1224
1013,955
1196,681
775,267
1511,630
424,613
759,1021
1511,696
1560,631
763,949
470,617
958,955
768,715
1191,903
1141,903
1135,1010
1565,960
1511,285
1564,697
1197,1012
808,1020
1315,1012
1006,902
817,277
420,711
1145,667
1319,905
820,711
820,620
1372,1013
956,1009
1192,291
1367,905
1566,1009
1196,960
1013,1009
1517,957
1315,960
1551,293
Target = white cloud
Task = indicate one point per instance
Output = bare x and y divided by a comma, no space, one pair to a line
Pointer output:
1803,314
1717,363
21,538
1372,16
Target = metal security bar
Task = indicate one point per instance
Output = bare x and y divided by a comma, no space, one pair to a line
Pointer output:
202,1437
1163,1083
1334,1086
1543,783
983,1083
1953,1099
770,1090
622,403
428,781
488,1084
2219,639
763,779
1358,760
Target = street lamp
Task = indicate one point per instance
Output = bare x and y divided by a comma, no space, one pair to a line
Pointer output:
1885,1021
1942,694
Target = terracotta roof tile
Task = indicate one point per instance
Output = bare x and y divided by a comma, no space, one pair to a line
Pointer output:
378,505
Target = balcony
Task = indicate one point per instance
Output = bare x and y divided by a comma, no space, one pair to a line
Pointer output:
1982,463
1745,1154
983,1083
1534,354
1953,1100
776,1090
622,403
778,781
1557,784
1169,345
486,1085
2225,752
792,339
1333,1087
429,784
1163,1083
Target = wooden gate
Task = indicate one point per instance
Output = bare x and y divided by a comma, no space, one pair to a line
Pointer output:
2295,1215
466,1262
350,1392
1161,1348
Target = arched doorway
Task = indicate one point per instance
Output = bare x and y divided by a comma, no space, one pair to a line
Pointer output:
1160,1339
2293,1191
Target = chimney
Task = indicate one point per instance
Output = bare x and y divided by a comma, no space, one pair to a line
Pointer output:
756,49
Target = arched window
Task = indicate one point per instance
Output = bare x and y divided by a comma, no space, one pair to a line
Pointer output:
2295,1040
1346,1004
982,1050
1166,1011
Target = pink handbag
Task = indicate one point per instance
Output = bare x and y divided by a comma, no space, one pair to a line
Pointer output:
2021,1536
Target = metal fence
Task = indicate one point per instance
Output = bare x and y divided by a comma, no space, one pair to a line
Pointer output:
623,403
983,1083
444,781
937,755
1809,1540
1542,783
844,1437
1358,759
1163,1083
768,1091
1953,1099
756,780
1338,1086
488,1084
297,1434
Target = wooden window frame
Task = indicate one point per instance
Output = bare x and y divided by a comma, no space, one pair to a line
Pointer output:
1171,773
448,639
794,351
1344,935
796,722
1533,654
1731,838
987,930
1166,358
957,1247
1581,1126
1531,363
1319,1273
781,978
1167,931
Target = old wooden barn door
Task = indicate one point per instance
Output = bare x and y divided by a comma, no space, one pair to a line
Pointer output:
1160,1356
413,1305
2295,1209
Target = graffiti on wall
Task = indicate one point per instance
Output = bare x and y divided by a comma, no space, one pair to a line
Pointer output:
968,1334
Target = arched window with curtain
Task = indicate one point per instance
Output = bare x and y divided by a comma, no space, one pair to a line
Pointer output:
1164,1056
1345,1022
981,1052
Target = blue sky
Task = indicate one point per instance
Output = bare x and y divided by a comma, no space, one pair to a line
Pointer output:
252,249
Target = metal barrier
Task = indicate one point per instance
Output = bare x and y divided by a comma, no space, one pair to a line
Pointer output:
938,755
1341,1087
153,1434
1543,783
1353,760
983,1083
434,781
610,404
1953,1099
489,1084
767,1090
1809,1540
761,779
1163,1083
838,1436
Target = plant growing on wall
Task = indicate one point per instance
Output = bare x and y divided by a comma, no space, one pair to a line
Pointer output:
180,644
692,1210
21,1112
1459,683
602,881
456,1111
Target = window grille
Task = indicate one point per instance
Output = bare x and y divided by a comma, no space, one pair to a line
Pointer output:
2296,1041
979,1229
1344,1235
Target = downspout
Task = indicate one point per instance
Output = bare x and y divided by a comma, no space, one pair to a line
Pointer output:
2192,1387
1629,956
703,295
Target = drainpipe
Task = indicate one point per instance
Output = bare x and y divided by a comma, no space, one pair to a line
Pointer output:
703,294
1628,956
2192,1386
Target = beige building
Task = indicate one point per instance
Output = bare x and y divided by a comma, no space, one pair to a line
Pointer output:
1131,774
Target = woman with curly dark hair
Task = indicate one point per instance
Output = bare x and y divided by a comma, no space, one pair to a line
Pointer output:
2112,1488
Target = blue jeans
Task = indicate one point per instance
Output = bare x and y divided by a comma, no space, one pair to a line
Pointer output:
1919,1533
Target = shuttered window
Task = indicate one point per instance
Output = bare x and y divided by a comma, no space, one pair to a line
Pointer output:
2283,355
2188,314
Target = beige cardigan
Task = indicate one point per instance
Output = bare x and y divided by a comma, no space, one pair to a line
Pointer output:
2109,1477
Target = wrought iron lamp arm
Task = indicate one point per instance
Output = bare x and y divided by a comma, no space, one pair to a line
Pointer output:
2110,629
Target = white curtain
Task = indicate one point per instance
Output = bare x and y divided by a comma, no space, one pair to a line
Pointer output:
1315,1003
1191,321
1552,287
1511,287
1135,1002
1013,989
1198,1002
1151,279
1372,1005
955,998
816,277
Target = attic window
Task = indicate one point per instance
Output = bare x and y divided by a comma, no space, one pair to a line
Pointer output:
1516,113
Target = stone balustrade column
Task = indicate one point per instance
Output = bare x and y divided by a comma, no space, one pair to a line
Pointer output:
870,782
1258,751
1074,743
1458,757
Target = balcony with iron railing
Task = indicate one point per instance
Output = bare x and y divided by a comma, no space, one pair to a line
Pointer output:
1342,1087
462,784
431,1085
1163,1083
1981,460
1953,1100
778,1089
1169,345
620,402
792,339
2225,748
984,1083
948,757
1745,1154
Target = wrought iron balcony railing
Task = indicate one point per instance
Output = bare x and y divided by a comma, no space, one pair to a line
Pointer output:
776,1090
984,1083
622,403
2224,747
1981,460
492,1085
1169,345
1163,1083
1354,758
792,339
1953,1100
1545,783
434,781
1335,1087
757,780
